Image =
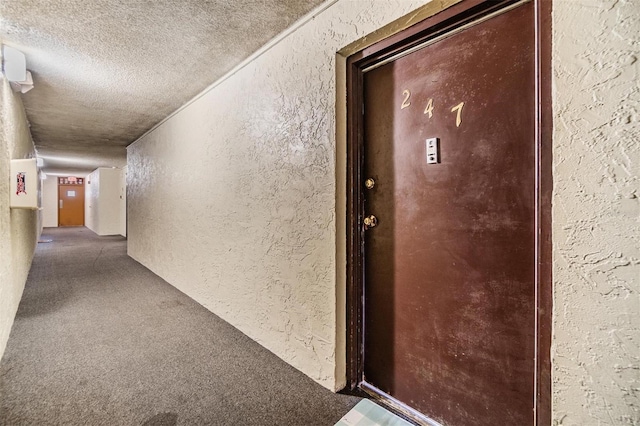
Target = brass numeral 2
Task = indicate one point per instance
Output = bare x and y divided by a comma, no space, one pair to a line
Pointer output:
405,102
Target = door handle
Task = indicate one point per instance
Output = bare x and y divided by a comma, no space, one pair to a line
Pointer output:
369,183
370,222
60,203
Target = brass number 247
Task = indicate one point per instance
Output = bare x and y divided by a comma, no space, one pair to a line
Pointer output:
429,107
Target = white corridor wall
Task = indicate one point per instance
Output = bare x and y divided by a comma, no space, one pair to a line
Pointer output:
19,228
103,211
50,202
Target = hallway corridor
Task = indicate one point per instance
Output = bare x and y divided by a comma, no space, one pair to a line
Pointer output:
101,340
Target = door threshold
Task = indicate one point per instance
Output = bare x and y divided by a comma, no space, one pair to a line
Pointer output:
399,408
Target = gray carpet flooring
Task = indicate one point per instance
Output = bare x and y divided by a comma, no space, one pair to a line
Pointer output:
101,340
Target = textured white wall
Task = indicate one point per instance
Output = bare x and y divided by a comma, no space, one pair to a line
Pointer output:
18,228
109,201
91,194
232,200
596,337
102,201
123,202
50,202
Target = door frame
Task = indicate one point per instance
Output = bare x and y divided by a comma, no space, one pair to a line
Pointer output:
428,29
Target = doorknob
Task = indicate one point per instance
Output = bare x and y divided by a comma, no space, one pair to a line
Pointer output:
370,222
369,183
60,203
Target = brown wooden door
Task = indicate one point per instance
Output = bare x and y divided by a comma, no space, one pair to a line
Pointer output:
449,291
70,205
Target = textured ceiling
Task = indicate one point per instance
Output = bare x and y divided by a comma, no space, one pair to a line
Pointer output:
106,71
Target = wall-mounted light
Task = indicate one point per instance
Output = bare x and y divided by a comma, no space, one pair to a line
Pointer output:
14,67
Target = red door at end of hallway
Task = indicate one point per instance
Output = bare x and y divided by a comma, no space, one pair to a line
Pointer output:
449,211
71,201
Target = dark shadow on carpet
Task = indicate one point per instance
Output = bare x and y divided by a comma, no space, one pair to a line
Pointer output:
101,340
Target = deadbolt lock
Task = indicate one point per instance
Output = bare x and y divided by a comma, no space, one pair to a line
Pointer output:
370,221
369,183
